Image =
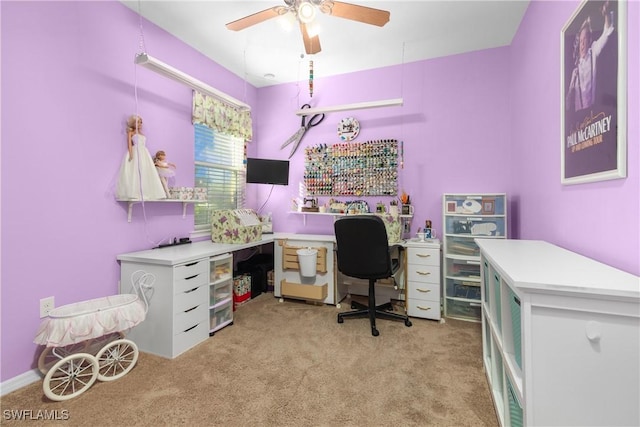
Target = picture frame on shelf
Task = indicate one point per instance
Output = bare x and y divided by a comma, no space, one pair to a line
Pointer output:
488,206
593,115
451,207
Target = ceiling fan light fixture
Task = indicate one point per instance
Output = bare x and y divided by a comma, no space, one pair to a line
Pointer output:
306,12
287,22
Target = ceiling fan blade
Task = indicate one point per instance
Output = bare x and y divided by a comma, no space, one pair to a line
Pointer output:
311,44
367,15
256,18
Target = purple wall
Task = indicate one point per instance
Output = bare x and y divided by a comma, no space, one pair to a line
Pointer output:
599,220
452,124
68,84
478,122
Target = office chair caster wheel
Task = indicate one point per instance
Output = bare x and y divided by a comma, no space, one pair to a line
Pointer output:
340,319
408,323
353,306
374,332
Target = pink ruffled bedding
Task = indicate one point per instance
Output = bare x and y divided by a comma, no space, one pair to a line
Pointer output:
73,323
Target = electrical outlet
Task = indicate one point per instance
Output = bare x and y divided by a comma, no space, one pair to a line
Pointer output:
46,305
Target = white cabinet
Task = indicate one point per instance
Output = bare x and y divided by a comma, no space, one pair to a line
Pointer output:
178,316
220,292
561,336
423,279
465,218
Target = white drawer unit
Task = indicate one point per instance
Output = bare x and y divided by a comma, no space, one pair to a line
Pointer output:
220,292
561,336
178,311
423,279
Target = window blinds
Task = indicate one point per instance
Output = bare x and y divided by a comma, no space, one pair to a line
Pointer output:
219,167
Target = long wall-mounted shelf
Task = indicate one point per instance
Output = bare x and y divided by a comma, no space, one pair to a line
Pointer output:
184,204
336,214
348,107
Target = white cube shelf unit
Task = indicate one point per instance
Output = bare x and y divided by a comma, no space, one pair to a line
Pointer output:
561,336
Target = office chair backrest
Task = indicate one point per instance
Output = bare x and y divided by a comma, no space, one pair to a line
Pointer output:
363,248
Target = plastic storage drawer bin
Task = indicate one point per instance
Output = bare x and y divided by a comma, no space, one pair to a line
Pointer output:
220,292
464,309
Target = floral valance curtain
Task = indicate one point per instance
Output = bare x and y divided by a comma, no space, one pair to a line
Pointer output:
222,117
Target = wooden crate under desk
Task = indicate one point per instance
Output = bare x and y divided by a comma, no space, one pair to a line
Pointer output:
290,258
297,290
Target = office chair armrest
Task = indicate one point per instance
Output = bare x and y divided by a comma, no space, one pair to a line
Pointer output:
400,250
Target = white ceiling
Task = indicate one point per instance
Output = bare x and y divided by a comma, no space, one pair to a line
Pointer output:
417,30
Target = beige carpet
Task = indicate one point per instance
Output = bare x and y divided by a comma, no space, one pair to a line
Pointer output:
292,364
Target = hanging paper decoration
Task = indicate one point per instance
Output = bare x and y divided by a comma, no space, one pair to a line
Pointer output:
311,79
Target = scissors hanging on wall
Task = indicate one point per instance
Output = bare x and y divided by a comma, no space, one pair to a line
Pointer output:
304,127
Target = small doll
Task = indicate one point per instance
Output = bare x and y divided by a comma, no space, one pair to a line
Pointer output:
165,169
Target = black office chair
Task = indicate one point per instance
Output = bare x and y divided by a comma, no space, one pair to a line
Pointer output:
364,252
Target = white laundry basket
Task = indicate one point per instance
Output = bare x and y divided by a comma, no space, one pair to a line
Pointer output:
307,258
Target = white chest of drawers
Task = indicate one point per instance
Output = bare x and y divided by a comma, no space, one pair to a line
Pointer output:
423,279
178,316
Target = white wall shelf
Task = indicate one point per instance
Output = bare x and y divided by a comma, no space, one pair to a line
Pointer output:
336,214
130,204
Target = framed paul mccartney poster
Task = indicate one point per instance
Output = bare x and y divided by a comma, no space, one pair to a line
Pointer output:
594,93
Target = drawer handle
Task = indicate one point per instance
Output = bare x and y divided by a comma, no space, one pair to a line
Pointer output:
191,290
423,255
191,309
423,290
187,330
190,264
191,277
423,273
423,308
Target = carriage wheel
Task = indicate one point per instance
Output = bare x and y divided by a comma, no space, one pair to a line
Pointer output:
96,344
116,359
70,377
51,355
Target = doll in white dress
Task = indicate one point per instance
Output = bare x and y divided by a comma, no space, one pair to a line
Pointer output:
165,169
138,178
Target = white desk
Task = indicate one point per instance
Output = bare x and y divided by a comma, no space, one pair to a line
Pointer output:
185,304
182,309
180,254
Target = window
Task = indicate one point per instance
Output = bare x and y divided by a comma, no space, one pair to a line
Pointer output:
219,167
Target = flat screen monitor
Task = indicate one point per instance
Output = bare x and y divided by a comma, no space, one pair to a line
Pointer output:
266,171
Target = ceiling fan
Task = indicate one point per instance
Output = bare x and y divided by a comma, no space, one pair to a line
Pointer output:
304,11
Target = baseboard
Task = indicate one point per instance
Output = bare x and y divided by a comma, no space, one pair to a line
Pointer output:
20,381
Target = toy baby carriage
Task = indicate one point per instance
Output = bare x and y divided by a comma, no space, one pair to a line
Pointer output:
85,340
